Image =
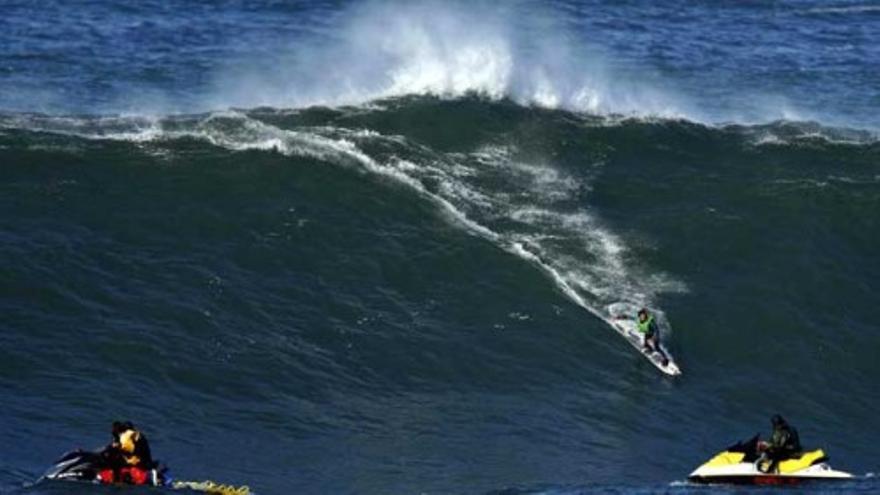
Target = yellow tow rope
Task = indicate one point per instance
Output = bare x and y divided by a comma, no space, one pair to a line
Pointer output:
212,487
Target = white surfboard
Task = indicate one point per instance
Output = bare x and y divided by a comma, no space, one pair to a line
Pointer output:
622,318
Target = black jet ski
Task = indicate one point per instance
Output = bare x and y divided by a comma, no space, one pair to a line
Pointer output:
742,463
92,467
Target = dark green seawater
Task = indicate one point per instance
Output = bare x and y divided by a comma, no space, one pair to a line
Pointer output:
396,298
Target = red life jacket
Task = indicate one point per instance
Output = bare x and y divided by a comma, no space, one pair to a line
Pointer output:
129,475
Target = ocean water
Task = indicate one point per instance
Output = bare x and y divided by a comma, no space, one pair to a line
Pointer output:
360,247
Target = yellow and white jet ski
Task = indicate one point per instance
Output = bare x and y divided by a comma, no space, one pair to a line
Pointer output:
742,464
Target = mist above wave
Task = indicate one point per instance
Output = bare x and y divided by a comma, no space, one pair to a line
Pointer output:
381,49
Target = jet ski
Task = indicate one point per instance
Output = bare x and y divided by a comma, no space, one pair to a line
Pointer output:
742,464
92,467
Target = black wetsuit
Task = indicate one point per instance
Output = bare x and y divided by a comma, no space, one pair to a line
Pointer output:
784,444
652,338
653,332
142,453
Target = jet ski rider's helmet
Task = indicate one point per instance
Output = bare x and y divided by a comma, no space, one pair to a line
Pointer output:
777,421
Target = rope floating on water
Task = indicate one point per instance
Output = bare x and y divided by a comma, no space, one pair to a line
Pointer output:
213,488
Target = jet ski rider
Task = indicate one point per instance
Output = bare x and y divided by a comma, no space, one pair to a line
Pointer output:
128,458
651,334
784,443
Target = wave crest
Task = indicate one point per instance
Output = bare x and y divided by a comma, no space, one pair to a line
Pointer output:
384,50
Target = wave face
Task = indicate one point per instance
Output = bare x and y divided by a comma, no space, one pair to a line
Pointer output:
398,298
742,62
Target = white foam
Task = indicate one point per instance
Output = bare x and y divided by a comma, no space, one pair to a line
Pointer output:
547,182
771,137
381,49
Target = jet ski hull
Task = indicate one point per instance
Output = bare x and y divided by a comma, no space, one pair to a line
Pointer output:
90,467
739,465
748,475
766,480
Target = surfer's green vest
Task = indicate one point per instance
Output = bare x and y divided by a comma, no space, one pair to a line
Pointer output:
645,325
